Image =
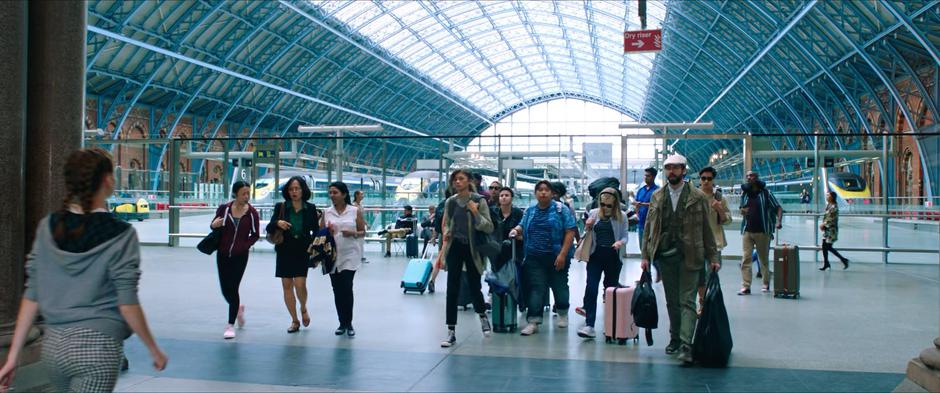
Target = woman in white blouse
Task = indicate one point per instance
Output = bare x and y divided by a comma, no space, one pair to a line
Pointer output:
348,228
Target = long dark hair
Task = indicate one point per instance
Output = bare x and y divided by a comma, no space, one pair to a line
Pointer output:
467,174
305,190
84,173
834,196
343,188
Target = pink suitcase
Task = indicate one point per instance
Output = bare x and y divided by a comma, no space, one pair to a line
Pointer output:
618,320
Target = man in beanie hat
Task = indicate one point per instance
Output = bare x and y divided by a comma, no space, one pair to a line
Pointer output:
678,237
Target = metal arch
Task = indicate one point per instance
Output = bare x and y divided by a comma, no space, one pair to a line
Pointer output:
166,62
777,36
576,65
248,78
551,97
892,89
878,71
126,19
930,103
492,22
524,17
592,33
918,35
462,39
382,59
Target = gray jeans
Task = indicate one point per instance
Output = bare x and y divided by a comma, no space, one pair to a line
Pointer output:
540,274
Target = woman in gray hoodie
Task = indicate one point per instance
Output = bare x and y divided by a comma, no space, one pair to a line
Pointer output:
83,273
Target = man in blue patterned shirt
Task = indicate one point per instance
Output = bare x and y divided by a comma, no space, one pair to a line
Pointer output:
762,215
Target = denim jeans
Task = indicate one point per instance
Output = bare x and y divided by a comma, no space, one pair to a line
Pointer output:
540,274
604,260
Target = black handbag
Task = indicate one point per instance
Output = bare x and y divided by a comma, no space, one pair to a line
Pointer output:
210,243
486,244
643,306
712,343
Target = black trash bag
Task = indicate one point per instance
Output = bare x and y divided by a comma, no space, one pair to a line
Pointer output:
643,306
712,343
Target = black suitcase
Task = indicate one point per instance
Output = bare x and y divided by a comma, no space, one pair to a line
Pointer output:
411,246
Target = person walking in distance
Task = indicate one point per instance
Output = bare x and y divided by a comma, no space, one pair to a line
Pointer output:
298,220
348,229
679,238
642,204
358,197
762,214
239,222
547,228
610,230
465,214
830,228
82,276
719,216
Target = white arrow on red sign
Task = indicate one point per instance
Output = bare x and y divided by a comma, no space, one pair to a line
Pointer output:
638,44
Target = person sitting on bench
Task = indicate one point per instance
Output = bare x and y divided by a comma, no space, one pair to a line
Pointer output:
403,226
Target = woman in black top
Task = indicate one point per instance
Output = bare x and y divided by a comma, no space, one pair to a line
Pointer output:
505,218
298,220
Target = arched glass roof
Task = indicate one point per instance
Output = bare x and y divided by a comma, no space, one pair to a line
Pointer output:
499,55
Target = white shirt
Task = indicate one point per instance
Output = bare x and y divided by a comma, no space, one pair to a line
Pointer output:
348,249
674,194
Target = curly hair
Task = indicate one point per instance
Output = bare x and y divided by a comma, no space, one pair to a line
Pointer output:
84,173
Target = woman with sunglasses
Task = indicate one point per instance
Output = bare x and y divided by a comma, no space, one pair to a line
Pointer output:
609,227
721,216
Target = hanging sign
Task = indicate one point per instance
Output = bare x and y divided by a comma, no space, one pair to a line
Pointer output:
642,41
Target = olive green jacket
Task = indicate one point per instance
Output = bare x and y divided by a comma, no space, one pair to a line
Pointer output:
483,223
698,240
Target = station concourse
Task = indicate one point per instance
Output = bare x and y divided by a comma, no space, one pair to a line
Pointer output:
190,98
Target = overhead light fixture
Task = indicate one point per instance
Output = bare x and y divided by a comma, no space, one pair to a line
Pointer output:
693,126
339,128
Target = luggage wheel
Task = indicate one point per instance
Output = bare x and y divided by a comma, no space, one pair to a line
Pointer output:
608,340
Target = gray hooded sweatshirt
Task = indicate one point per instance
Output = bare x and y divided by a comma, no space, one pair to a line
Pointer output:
84,289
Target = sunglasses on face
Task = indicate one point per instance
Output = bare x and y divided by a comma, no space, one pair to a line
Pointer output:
493,187
607,205
706,178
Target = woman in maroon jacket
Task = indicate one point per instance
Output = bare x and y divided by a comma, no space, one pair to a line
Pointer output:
239,223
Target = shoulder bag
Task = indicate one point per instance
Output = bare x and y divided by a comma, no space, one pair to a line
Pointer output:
210,243
277,237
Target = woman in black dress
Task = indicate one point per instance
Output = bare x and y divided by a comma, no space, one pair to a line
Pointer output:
299,221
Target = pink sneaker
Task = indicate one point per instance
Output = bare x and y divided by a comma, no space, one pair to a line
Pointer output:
229,333
241,316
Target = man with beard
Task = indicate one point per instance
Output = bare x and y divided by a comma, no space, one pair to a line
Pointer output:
679,239
762,213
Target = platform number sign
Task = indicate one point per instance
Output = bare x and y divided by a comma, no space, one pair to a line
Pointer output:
266,154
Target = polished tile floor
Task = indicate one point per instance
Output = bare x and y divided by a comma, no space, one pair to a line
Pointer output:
851,330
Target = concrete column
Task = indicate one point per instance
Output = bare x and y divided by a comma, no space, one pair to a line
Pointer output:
56,106
12,163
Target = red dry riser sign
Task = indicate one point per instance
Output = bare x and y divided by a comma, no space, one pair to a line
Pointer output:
642,41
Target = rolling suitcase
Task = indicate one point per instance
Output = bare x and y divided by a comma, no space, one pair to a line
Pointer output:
505,318
411,246
618,318
786,271
416,276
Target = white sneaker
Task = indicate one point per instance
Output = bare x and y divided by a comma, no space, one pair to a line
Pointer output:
240,318
586,332
229,332
530,329
562,321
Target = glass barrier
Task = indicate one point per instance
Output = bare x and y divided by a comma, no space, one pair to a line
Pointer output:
906,220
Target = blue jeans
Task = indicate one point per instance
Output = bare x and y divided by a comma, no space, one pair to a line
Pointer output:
607,261
540,275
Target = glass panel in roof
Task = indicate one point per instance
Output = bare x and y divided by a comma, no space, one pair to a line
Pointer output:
449,48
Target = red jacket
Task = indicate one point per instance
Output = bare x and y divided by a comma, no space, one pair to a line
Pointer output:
237,239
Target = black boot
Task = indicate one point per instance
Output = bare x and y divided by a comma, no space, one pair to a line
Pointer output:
845,263
825,266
